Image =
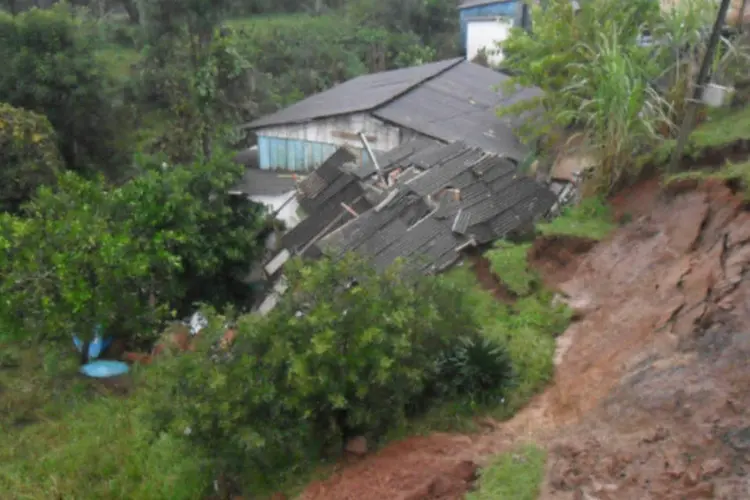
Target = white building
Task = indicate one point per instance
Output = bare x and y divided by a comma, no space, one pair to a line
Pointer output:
484,34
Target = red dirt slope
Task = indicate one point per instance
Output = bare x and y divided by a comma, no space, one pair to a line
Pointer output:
650,396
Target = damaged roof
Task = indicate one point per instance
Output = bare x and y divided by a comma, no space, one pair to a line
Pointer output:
453,197
321,195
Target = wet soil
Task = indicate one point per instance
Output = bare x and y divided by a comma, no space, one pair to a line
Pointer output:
650,396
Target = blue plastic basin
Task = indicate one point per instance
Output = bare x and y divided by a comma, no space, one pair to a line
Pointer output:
105,369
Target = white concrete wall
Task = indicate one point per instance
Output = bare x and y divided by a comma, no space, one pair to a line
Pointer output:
288,214
486,33
325,131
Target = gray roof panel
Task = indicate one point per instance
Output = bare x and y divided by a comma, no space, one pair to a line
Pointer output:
401,155
356,95
256,182
460,104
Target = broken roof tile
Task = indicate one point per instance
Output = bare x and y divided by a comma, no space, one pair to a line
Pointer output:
492,199
461,222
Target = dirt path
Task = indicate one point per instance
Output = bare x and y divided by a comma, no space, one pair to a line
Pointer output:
650,395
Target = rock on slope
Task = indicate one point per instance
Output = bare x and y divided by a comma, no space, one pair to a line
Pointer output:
650,396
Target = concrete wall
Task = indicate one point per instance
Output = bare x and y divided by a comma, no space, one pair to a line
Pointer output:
486,33
302,147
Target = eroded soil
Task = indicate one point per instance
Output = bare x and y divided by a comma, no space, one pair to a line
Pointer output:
650,397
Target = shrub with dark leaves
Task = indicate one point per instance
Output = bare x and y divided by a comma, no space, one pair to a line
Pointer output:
474,366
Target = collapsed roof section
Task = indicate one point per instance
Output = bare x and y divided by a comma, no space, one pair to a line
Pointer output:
424,202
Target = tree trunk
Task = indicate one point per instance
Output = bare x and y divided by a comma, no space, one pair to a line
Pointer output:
207,150
131,7
12,6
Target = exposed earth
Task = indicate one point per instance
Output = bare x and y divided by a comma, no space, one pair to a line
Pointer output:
650,398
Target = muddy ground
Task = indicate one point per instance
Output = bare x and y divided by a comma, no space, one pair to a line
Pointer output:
650,397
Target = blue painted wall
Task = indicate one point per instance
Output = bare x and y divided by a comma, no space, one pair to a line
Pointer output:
275,153
487,10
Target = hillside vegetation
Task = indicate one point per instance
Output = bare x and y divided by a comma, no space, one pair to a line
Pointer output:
117,129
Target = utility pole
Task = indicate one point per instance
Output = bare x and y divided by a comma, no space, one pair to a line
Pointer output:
692,106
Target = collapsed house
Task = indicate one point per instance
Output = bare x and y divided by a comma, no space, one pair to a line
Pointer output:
424,202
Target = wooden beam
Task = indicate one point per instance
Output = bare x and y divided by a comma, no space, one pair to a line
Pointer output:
351,136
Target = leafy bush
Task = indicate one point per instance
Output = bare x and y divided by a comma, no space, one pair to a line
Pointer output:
550,56
85,254
348,351
68,266
28,155
477,368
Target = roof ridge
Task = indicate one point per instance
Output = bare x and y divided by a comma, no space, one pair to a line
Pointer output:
273,120
424,80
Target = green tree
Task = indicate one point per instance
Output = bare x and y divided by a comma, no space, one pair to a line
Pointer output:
194,74
85,254
29,157
216,236
49,67
434,22
68,266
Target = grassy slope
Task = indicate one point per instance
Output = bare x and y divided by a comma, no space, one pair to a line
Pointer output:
62,437
723,127
591,218
516,475
737,172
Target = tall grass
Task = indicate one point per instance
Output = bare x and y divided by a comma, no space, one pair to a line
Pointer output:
681,36
616,106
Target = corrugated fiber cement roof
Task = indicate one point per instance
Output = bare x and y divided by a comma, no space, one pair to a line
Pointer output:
359,94
460,105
